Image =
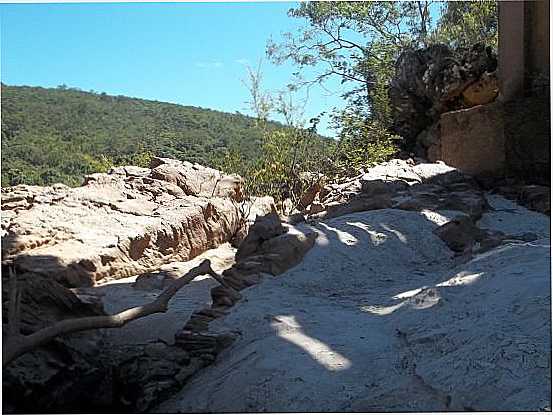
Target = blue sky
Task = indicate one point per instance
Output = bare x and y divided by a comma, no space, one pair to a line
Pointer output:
185,53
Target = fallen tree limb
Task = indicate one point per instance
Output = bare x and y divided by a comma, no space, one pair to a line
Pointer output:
15,345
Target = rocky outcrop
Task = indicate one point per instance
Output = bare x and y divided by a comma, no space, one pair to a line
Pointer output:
126,222
197,180
269,248
463,236
437,79
401,184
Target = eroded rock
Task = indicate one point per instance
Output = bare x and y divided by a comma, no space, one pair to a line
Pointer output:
120,224
437,79
263,229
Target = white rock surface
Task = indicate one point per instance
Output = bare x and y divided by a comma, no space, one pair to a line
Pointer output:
378,318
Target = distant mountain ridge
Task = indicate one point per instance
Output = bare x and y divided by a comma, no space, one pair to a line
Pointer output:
52,135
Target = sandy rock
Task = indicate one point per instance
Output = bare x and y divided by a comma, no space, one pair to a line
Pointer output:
395,171
264,228
402,184
286,251
396,175
399,326
116,225
438,173
197,180
259,206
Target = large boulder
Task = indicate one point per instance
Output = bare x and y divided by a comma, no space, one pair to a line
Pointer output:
473,139
124,223
263,229
437,79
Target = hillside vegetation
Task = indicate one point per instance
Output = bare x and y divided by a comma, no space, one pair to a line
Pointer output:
61,134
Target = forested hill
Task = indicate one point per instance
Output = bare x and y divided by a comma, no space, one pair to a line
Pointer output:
61,134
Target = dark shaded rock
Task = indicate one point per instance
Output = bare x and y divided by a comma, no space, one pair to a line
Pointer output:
203,345
263,229
224,296
356,204
65,375
147,374
460,234
536,198
295,218
472,203
473,139
379,186
526,237
528,137
151,281
419,201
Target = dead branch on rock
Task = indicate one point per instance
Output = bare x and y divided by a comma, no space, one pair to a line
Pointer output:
16,344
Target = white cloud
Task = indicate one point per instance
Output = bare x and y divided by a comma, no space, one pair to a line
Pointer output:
210,64
242,61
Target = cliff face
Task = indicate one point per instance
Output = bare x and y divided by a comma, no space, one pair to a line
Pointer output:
124,223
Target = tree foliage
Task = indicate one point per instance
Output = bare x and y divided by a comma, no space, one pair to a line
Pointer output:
285,152
359,42
362,144
59,135
464,23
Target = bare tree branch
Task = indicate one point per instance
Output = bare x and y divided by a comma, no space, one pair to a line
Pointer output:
16,345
